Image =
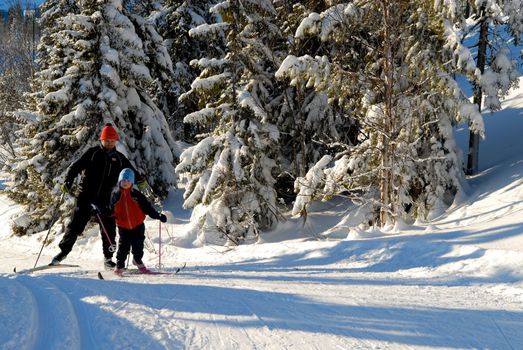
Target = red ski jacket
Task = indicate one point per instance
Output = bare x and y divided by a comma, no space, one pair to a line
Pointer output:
130,207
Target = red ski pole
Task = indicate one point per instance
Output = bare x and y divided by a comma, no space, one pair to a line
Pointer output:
112,247
159,244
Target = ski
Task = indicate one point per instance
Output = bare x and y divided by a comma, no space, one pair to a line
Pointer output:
136,272
43,267
181,268
154,272
132,273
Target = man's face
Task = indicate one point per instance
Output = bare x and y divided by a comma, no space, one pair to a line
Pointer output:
108,144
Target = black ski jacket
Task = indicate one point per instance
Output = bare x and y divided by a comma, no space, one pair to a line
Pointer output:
100,170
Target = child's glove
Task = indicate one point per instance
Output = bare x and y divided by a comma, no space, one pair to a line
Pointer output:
163,218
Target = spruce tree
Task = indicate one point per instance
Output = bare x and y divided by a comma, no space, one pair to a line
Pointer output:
488,22
229,172
19,33
175,21
95,73
310,125
144,16
396,79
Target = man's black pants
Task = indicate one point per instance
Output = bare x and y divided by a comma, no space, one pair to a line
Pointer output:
81,216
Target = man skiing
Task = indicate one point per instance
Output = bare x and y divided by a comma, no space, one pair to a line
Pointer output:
100,167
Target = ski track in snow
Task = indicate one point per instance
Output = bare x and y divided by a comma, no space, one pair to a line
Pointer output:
239,309
54,324
15,299
409,291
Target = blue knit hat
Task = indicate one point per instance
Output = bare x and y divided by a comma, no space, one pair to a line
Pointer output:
126,174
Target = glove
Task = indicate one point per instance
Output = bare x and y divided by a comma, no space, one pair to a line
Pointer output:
142,184
65,188
94,209
163,218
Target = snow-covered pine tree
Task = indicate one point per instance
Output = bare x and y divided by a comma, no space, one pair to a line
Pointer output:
51,13
98,74
514,11
229,172
51,58
31,181
309,125
490,23
144,16
397,81
19,33
175,21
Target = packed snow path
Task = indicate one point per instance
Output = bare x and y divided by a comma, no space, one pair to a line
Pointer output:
256,306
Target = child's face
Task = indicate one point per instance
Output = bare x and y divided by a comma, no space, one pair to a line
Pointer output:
125,184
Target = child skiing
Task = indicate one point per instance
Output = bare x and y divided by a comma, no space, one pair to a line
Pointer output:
129,207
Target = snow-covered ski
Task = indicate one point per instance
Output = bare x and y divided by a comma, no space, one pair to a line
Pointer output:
136,272
43,267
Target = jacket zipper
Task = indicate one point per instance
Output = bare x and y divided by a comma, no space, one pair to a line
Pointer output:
127,196
101,181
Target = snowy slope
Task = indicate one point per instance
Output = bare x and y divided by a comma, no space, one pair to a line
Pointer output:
456,283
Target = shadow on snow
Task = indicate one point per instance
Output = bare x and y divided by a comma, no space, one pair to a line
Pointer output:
284,311
385,254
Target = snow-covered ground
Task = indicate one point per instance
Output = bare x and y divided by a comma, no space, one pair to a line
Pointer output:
456,283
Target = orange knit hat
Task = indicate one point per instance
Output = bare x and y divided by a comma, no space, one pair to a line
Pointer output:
108,133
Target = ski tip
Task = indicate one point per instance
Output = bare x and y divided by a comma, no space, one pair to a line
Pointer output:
100,277
180,268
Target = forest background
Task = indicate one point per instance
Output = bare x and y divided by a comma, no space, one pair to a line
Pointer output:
257,108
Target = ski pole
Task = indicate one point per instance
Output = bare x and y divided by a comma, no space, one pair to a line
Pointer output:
159,244
112,246
53,220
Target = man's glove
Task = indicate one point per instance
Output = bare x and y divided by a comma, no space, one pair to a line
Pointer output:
65,188
142,184
163,218
94,209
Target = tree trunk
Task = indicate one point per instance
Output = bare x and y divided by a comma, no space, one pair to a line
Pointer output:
388,113
473,154
299,137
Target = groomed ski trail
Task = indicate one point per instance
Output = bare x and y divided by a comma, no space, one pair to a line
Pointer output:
53,323
260,307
